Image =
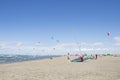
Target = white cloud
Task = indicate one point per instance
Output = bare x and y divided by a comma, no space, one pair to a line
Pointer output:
87,49
2,46
62,48
117,39
98,44
117,44
19,44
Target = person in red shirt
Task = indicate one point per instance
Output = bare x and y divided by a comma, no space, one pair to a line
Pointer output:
81,58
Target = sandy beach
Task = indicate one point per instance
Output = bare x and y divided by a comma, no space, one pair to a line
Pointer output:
104,68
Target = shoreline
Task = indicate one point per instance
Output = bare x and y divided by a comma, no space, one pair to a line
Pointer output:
24,58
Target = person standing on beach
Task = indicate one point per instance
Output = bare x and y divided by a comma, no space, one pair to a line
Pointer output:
68,56
96,56
81,58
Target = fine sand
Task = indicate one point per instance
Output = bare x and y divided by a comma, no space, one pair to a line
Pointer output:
104,68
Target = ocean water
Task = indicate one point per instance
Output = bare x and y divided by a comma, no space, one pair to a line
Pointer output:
7,58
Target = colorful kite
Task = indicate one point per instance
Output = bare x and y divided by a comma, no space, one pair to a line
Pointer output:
108,33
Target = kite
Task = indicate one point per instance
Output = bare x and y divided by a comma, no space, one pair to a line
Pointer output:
52,37
53,48
108,33
57,41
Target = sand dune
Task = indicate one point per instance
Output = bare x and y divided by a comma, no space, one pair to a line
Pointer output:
105,68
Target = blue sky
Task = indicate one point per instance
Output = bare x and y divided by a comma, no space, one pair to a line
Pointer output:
27,22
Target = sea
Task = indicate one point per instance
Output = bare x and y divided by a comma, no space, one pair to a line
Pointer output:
8,58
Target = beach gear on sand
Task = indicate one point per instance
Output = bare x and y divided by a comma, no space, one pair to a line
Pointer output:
76,60
80,60
88,58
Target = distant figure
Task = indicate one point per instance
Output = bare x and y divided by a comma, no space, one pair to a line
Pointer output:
68,56
96,56
81,58
51,58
